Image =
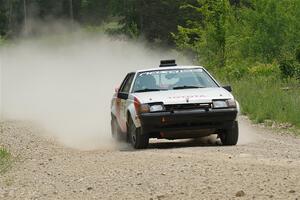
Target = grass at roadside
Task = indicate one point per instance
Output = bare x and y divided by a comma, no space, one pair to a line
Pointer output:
5,160
269,98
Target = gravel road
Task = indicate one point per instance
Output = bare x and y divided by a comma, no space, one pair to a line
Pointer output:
264,165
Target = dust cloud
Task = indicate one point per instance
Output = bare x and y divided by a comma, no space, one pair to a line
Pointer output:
64,84
247,132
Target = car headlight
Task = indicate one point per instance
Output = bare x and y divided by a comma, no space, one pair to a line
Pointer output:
145,108
229,103
220,104
157,108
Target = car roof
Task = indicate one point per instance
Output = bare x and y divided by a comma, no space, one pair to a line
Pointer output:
168,68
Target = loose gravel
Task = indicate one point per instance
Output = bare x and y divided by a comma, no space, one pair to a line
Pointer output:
264,165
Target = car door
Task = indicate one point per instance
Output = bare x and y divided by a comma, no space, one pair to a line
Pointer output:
122,99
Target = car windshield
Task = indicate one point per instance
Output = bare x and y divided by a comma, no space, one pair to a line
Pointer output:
174,79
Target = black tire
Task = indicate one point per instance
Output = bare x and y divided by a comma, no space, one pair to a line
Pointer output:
231,135
116,130
136,136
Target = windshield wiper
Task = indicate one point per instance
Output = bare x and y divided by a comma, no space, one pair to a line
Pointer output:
147,90
186,87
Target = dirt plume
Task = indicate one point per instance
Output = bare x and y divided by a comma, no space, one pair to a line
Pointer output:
65,84
247,133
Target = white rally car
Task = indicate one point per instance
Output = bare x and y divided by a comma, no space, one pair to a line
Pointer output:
173,102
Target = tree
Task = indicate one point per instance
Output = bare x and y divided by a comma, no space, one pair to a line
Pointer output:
207,38
235,31
3,17
155,20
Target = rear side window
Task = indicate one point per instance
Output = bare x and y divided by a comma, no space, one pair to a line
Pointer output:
127,83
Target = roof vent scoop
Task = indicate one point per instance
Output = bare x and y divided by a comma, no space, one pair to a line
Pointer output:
167,63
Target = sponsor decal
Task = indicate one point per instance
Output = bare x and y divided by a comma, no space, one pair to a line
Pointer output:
187,97
174,71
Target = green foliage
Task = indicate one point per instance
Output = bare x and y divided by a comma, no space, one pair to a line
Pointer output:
236,72
3,18
103,28
290,68
266,98
231,32
298,54
232,72
93,12
5,160
154,20
261,31
264,70
2,40
206,37
262,93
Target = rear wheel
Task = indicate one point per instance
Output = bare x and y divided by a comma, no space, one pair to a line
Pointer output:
137,137
231,135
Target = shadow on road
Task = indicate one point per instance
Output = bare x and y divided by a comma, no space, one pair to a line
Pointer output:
172,144
201,142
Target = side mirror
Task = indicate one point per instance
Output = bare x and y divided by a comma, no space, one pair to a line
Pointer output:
228,88
123,95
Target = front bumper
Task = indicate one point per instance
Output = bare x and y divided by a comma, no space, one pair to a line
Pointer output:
185,123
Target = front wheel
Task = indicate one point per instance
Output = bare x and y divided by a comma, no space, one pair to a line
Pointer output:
231,135
137,137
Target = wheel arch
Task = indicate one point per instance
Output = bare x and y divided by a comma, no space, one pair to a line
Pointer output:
131,113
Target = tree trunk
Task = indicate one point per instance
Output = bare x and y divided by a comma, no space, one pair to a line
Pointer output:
71,11
25,17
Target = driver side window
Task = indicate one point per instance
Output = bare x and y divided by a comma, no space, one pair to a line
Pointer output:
127,84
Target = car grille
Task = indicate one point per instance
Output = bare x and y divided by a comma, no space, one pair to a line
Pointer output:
192,106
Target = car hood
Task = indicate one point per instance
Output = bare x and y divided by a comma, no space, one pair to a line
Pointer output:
199,95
